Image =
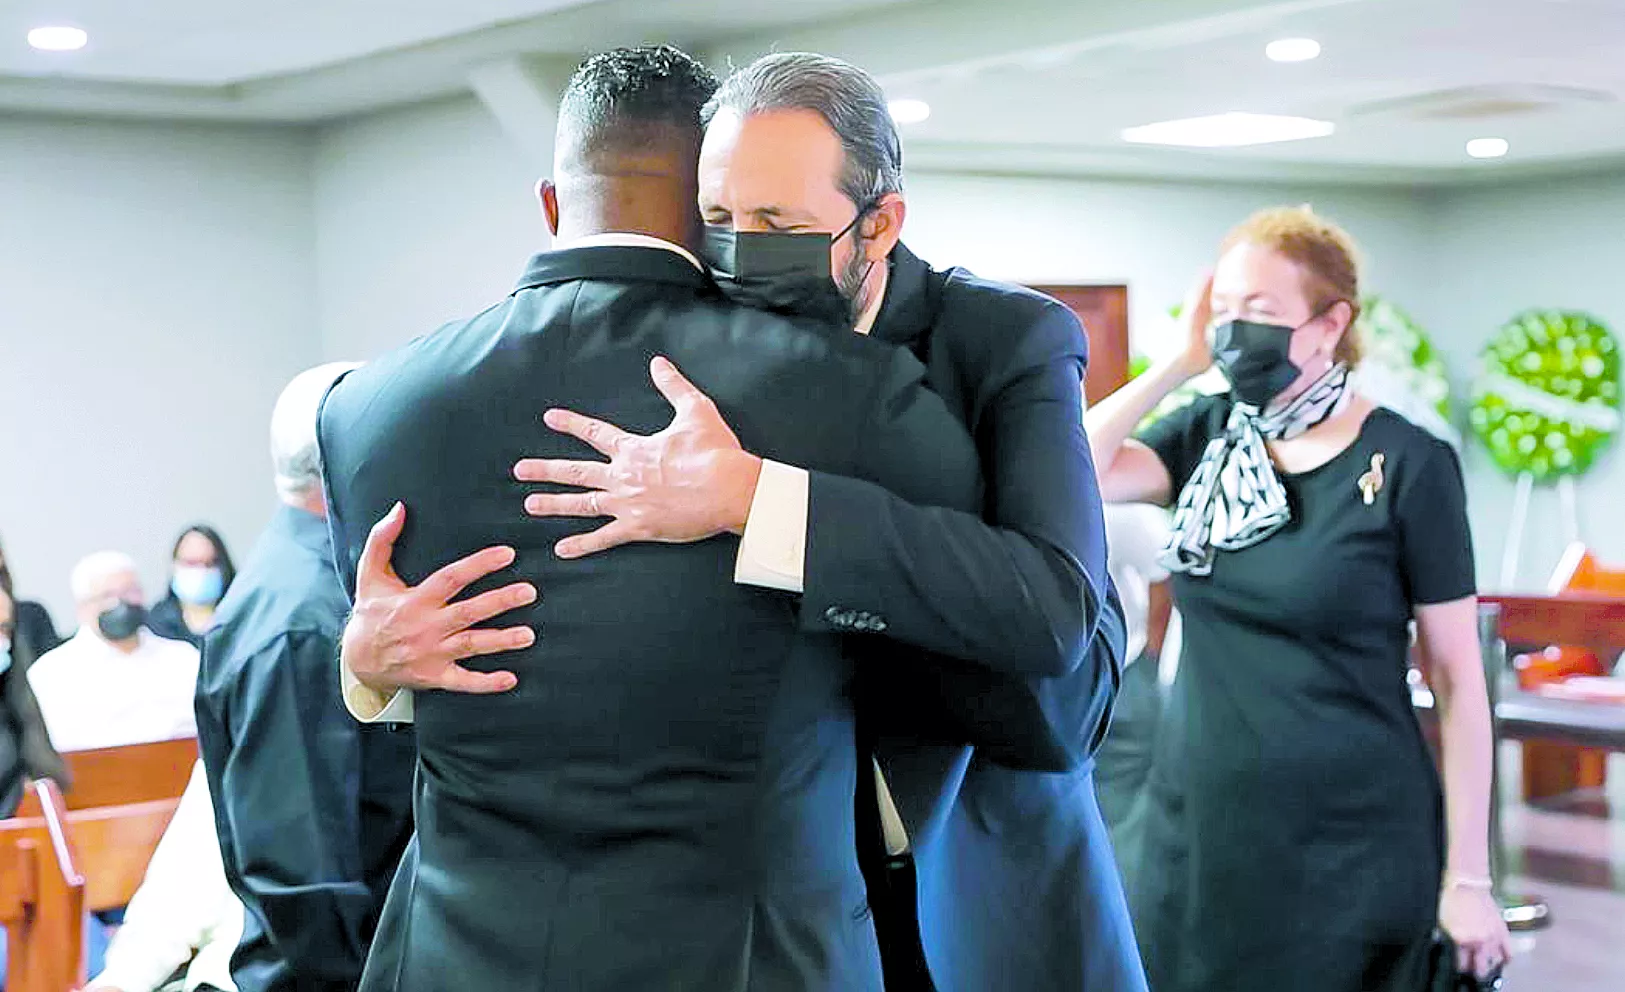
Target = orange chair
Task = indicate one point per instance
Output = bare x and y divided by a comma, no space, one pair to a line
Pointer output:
1552,770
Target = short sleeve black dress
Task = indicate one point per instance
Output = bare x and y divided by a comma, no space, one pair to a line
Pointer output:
1295,837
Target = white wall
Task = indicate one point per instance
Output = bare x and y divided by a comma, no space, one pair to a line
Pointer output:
1154,237
424,215
158,284
1557,243
155,294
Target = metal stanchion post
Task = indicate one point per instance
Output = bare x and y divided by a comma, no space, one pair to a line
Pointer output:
1521,912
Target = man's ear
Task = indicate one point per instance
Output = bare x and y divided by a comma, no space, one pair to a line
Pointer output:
883,227
548,194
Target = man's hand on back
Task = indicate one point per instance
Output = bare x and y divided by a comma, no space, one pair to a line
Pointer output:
687,483
413,637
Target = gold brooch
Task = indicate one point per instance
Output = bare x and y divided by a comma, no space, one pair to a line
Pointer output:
1371,482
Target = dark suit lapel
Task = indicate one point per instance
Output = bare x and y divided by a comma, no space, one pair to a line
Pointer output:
913,293
631,264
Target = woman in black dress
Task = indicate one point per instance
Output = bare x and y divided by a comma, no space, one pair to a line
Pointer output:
1298,837
201,572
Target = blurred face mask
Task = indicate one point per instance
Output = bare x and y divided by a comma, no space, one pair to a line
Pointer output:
5,656
122,621
197,586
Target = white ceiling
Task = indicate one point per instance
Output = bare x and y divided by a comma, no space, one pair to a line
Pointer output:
1015,85
1408,83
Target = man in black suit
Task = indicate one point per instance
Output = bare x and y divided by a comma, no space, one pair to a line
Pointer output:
1022,631
662,799
1017,887
312,810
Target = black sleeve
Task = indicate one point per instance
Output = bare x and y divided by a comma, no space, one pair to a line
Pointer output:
288,810
1013,588
40,759
345,553
1435,543
1180,436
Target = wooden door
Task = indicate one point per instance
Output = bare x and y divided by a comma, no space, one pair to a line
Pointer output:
1104,312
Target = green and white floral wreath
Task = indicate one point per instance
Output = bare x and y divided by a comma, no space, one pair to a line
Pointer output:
1392,340
1547,398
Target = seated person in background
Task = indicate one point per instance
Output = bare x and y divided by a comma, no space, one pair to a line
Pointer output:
25,748
114,683
1136,533
314,808
200,573
184,916
34,626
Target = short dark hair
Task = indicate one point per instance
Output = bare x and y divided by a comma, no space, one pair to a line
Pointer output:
616,98
849,100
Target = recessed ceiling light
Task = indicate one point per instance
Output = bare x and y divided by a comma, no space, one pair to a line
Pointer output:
1488,147
1292,50
58,39
1230,130
909,111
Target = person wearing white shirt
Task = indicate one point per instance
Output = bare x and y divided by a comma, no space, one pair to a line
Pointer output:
184,913
114,683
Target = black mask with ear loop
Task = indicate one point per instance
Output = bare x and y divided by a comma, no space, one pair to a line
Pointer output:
857,246
1256,357
781,272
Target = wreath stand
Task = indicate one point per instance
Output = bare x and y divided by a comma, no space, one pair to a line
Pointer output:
1569,510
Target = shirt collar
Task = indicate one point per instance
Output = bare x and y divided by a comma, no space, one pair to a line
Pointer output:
627,239
866,320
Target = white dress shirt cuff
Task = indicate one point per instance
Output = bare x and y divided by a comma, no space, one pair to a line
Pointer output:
773,552
368,705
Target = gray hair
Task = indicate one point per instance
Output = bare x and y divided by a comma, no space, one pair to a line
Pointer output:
294,455
92,570
849,100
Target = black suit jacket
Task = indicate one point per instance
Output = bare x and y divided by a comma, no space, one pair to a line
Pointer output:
1017,884
313,809
664,802
1016,591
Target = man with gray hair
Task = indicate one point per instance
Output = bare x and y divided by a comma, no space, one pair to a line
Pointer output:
998,631
312,809
114,682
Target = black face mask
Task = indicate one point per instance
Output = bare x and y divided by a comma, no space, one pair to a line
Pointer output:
1255,358
777,271
781,272
122,621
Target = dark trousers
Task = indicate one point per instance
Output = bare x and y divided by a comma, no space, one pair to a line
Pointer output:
1123,763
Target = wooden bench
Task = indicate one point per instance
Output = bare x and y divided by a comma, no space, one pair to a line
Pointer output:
134,773
42,897
121,803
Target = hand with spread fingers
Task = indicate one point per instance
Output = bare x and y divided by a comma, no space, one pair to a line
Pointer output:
687,483
414,637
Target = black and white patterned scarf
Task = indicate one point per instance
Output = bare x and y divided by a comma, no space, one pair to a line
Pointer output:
1234,498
